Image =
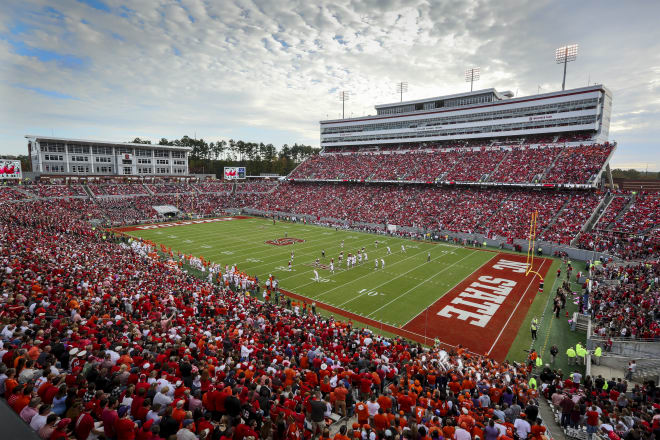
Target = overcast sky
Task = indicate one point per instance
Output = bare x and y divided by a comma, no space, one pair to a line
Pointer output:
269,70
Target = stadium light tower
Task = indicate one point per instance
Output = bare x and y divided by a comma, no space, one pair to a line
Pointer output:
401,87
566,54
472,75
344,96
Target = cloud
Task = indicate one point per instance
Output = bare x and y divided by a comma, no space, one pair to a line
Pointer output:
269,71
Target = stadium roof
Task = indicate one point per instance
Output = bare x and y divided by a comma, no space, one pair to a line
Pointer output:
499,95
97,142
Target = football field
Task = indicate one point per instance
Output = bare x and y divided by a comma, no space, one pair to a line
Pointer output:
469,296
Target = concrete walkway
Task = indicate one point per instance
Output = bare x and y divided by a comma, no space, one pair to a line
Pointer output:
548,417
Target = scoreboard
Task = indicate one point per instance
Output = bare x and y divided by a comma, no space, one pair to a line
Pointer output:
234,173
10,169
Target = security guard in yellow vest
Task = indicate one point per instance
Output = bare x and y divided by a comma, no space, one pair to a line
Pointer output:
571,355
534,328
598,352
581,353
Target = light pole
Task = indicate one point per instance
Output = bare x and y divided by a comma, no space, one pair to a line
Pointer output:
564,55
401,87
344,96
472,74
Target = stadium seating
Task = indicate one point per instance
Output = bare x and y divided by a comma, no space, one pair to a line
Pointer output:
105,330
213,187
114,189
55,190
513,164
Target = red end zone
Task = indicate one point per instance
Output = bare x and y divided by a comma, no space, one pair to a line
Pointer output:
178,223
484,311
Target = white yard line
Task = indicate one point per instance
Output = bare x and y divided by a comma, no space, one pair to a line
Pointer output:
449,290
423,282
514,310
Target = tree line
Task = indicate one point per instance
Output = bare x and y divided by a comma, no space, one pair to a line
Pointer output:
257,158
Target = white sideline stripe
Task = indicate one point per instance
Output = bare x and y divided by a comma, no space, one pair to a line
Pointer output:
390,280
449,290
362,276
514,310
423,282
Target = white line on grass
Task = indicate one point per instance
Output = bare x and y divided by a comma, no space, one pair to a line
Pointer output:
449,290
514,311
416,286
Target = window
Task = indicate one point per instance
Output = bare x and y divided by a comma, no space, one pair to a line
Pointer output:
161,153
52,147
54,168
79,159
162,161
124,150
179,162
101,150
79,169
103,169
179,171
142,152
144,170
127,170
103,159
161,170
55,157
79,149
144,161
127,162
179,154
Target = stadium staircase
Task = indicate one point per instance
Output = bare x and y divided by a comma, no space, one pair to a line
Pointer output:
551,166
149,191
595,216
18,188
88,191
505,157
625,208
555,216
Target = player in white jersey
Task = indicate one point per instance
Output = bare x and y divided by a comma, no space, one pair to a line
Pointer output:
376,244
376,266
403,249
342,244
382,263
348,262
291,255
428,257
366,257
360,258
317,263
341,256
316,276
332,267
389,251
289,265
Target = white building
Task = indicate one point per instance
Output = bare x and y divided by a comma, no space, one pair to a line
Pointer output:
483,114
51,155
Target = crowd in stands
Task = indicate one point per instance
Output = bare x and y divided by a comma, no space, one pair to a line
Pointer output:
60,190
627,247
7,193
524,164
260,186
629,308
519,164
613,210
578,164
214,187
642,216
171,188
116,189
100,336
571,218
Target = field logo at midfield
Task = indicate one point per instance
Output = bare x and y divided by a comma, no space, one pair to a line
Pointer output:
284,241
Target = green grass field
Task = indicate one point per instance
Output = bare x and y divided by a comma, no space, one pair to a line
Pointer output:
406,287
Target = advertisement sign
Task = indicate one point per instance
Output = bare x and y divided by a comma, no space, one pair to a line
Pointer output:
234,173
10,169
